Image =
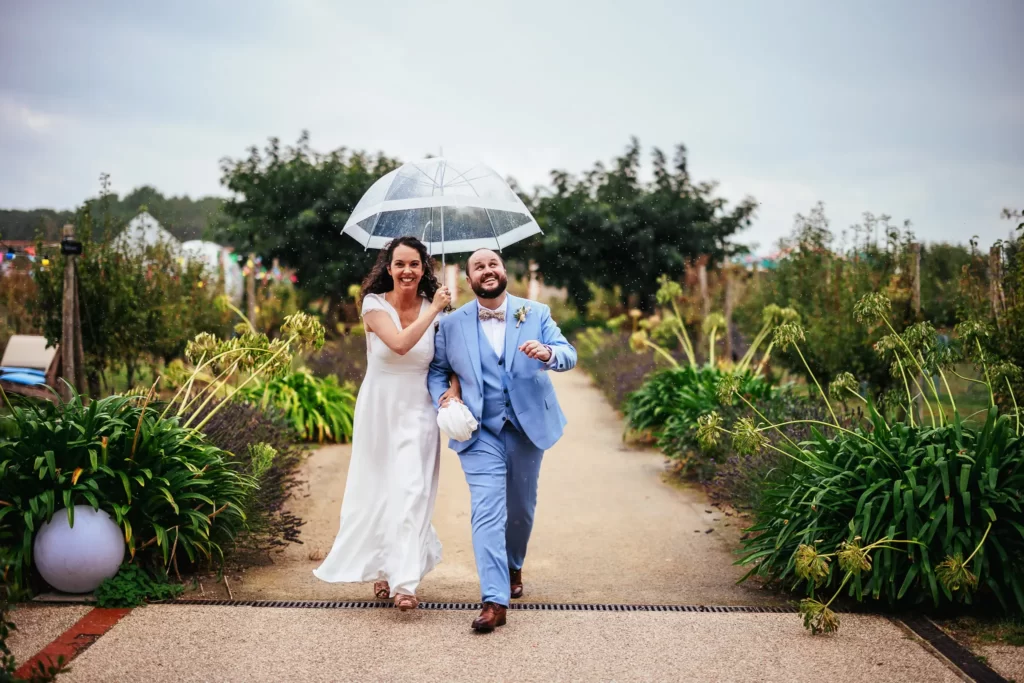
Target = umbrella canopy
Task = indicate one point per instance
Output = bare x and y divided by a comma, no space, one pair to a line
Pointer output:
449,205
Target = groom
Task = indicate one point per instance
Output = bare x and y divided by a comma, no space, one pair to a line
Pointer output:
500,347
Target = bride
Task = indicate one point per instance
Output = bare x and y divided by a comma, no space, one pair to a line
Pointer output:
386,535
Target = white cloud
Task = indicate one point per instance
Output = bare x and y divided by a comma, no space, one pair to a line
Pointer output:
22,117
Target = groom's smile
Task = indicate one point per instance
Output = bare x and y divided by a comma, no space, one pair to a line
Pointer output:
486,273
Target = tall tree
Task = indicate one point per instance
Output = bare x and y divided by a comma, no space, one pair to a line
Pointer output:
610,228
292,203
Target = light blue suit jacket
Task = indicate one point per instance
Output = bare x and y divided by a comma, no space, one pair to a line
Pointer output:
457,349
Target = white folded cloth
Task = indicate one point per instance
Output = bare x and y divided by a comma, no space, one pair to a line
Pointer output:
456,421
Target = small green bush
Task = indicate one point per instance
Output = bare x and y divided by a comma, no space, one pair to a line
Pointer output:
133,586
162,483
670,402
319,409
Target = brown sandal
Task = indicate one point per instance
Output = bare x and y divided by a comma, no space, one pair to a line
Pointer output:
381,590
406,602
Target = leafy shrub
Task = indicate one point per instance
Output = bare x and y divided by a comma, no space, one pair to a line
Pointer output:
235,427
913,512
133,586
943,489
1003,325
163,484
344,357
16,287
670,402
742,480
615,369
134,302
154,471
318,409
823,280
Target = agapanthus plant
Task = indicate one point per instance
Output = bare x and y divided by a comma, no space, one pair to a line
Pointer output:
919,497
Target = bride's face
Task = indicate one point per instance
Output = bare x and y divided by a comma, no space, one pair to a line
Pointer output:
406,269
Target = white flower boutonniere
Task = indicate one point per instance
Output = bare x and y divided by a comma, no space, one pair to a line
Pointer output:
521,315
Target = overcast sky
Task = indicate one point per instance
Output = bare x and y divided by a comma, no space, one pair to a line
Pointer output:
914,108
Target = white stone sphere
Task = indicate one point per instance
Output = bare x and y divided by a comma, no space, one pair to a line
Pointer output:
77,559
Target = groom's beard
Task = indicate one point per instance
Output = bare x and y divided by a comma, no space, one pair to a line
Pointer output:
479,290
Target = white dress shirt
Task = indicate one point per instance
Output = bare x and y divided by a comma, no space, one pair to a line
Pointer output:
494,330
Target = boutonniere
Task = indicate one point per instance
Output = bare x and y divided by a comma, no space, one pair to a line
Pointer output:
521,315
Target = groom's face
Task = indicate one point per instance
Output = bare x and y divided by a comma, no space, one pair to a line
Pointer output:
486,273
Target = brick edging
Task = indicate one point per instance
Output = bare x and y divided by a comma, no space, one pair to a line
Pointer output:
75,640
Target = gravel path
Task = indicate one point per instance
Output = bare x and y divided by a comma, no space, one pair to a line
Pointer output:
180,643
607,528
38,625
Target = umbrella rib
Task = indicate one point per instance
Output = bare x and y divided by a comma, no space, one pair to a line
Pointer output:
490,222
472,168
433,181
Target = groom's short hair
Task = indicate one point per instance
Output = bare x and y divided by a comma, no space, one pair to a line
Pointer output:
476,251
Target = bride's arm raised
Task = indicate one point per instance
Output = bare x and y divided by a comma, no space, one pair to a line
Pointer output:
381,324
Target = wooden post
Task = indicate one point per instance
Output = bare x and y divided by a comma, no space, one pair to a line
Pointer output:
705,301
250,290
915,302
70,342
915,278
728,284
702,284
995,282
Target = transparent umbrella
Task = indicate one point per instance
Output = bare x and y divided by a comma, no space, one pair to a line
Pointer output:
450,206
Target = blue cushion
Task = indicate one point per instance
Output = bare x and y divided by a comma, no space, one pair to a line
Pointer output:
23,378
31,371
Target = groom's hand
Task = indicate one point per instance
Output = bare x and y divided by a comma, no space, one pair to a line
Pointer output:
536,351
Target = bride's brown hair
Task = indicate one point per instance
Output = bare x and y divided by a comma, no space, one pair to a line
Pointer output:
379,281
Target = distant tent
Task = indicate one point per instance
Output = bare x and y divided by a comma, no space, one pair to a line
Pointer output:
144,231
215,257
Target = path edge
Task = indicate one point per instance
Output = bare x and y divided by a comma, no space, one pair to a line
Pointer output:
948,650
75,640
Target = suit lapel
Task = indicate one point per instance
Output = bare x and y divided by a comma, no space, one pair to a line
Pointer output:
471,335
512,330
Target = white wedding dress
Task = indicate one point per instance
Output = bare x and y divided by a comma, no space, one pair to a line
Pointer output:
386,533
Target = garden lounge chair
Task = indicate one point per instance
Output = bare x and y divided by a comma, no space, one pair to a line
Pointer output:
28,366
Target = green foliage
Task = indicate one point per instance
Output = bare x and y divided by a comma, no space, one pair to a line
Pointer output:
605,354
941,267
236,427
635,230
1002,336
823,280
132,305
185,218
671,401
163,484
318,409
133,586
16,288
941,489
938,505
343,356
292,203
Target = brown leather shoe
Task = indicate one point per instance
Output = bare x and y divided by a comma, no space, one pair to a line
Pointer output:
492,616
516,583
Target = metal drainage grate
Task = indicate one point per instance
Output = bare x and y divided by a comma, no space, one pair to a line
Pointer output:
468,606
962,658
